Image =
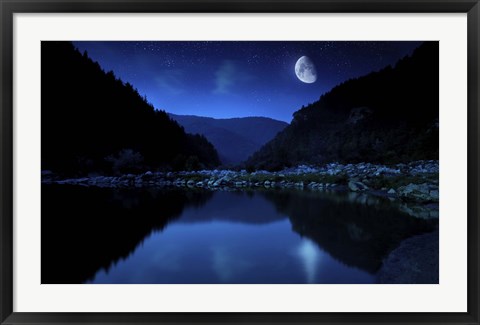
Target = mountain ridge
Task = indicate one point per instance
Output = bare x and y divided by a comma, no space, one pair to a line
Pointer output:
234,138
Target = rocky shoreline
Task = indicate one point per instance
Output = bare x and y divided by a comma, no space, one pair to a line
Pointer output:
413,182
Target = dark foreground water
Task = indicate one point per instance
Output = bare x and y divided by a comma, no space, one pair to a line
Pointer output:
93,235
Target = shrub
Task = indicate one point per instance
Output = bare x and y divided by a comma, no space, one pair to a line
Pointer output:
126,161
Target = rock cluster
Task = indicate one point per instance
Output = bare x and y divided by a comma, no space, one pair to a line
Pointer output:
419,192
353,177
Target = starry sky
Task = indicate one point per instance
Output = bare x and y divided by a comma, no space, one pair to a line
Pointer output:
224,79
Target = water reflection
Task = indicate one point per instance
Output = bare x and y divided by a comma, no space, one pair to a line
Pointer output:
359,230
87,229
150,236
245,207
309,255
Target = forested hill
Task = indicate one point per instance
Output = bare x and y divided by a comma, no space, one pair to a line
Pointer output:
389,116
92,122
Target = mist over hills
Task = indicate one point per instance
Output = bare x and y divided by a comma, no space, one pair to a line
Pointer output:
235,138
389,116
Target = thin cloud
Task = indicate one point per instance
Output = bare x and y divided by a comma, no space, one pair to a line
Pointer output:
171,82
227,76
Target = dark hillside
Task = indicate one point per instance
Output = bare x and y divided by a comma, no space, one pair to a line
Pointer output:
92,122
389,116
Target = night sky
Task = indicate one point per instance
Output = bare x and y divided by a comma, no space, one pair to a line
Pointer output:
238,79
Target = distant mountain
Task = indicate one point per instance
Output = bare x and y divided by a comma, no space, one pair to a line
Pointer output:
389,116
93,122
236,138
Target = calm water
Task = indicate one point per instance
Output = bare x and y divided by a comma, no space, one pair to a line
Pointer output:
92,235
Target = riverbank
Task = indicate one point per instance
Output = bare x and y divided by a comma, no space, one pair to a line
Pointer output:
413,182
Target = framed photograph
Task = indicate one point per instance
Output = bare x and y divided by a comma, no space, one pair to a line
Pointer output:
235,161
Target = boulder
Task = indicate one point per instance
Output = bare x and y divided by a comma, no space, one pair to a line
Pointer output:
357,186
414,261
222,181
434,195
420,211
299,184
419,192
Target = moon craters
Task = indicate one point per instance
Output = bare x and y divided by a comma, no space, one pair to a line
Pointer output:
305,70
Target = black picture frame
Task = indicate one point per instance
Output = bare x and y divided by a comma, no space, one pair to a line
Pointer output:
9,7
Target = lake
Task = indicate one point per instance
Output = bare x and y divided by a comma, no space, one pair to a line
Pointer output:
104,235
